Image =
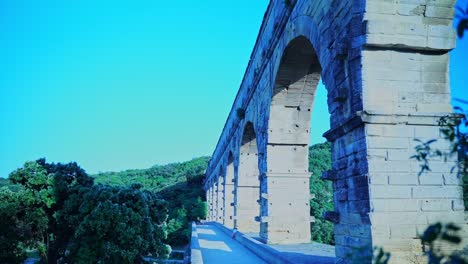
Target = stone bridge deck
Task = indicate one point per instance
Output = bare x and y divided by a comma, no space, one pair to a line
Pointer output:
216,245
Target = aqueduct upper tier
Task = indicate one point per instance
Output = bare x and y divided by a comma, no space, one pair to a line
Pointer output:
385,67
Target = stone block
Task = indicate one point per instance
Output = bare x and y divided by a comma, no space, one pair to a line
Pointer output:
458,205
395,205
439,12
403,179
447,217
434,205
452,179
378,178
398,218
431,179
403,231
387,143
442,192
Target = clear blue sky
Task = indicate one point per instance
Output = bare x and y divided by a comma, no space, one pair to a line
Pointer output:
125,84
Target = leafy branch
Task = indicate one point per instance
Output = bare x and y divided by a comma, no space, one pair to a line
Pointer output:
462,15
435,236
450,131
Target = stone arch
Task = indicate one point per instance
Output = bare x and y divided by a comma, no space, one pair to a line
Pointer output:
247,184
229,192
293,95
292,99
211,197
302,29
219,193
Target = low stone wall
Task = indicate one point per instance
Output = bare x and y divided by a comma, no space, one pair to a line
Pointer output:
265,252
195,252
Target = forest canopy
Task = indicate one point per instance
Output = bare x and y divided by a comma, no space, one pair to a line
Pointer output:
59,211
70,216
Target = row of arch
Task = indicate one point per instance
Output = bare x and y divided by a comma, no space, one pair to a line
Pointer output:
370,69
225,194
250,192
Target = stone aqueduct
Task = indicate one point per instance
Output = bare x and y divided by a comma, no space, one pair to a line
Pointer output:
385,67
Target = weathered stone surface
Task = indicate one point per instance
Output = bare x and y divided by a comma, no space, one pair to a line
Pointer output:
333,217
228,216
385,68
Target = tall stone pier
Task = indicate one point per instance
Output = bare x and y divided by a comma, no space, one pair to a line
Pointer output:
385,67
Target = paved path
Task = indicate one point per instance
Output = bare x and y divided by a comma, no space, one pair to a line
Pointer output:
217,247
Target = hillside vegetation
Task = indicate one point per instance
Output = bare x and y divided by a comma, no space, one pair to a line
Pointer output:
67,215
158,177
6,183
180,185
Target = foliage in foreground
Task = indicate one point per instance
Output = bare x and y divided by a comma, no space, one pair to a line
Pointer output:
434,238
438,234
450,130
60,212
462,15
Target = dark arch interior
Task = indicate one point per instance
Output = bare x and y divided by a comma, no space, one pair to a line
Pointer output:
299,67
249,140
293,94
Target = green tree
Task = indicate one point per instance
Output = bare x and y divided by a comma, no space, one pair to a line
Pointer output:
12,230
320,161
60,211
177,228
186,206
37,195
199,210
180,184
118,225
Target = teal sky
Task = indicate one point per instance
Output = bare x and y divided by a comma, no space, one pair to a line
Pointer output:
127,84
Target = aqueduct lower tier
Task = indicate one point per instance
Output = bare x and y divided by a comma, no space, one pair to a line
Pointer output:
385,68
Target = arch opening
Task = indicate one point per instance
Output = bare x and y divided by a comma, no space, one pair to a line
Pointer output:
211,199
228,193
293,94
247,208
220,197
287,182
